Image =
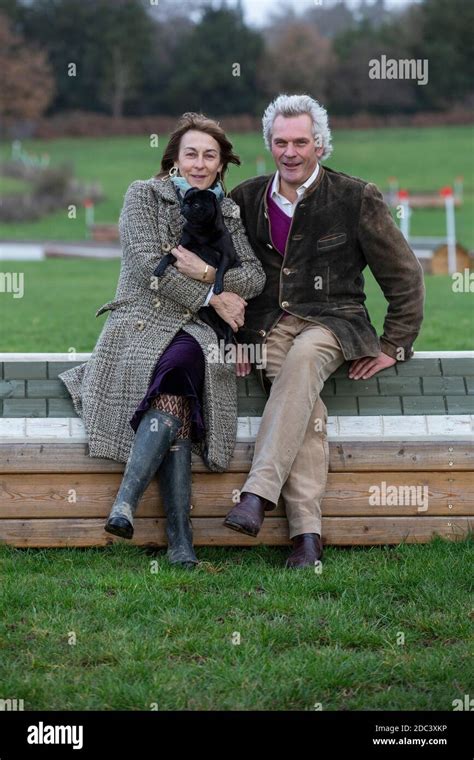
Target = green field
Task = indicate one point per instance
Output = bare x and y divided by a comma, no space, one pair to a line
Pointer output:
378,629
57,312
61,297
421,158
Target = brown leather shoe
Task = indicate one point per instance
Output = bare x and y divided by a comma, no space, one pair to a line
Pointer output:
307,550
247,516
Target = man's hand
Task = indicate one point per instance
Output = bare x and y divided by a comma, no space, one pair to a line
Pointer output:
369,365
191,265
230,307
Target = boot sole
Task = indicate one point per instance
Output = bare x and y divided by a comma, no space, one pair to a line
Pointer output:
240,529
116,531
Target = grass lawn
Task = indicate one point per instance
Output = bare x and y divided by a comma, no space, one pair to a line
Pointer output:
378,629
57,311
421,158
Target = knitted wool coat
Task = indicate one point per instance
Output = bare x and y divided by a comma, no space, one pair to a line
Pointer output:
145,315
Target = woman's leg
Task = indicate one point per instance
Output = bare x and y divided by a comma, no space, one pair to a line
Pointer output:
175,484
179,406
155,434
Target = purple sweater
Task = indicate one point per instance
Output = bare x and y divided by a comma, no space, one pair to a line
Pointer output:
280,224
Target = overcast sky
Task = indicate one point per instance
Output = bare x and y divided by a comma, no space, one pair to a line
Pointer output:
258,10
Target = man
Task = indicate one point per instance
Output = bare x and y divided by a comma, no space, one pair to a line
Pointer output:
314,231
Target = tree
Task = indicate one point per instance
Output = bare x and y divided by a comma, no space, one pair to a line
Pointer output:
96,48
27,79
311,60
126,39
215,66
331,20
446,41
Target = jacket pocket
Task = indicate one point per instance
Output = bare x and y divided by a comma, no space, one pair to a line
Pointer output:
331,241
112,305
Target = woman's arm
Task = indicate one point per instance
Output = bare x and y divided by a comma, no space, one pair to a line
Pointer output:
140,240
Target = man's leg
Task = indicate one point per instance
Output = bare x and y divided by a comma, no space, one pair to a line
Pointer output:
247,516
306,482
287,420
300,356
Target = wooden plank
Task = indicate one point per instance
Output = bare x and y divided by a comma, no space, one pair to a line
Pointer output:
347,494
210,531
347,456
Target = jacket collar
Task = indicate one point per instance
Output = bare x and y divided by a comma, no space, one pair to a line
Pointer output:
165,190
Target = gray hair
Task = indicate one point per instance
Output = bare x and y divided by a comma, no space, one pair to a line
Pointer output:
295,105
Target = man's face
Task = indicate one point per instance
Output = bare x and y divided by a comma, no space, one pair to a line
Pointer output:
294,148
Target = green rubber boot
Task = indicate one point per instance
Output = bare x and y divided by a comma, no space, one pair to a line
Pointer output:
175,486
155,434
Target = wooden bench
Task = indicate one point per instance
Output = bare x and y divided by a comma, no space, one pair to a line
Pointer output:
410,426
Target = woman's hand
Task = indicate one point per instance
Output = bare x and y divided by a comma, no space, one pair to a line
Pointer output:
230,307
242,366
191,265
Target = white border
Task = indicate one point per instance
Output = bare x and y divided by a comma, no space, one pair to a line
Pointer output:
435,427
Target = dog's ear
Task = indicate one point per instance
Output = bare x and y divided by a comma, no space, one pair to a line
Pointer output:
215,201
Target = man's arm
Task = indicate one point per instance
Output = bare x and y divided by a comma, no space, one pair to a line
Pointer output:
398,272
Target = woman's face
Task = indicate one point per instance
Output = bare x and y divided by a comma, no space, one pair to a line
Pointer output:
199,159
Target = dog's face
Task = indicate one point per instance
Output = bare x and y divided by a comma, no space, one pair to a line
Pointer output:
199,206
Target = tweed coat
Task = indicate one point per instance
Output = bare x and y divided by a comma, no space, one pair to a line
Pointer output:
145,315
340,226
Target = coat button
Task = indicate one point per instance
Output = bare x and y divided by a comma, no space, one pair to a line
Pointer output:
286,270
156,303
140,325
166,247
285,304
262,333
269,245
188,313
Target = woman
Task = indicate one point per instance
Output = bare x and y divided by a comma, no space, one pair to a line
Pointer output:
152,391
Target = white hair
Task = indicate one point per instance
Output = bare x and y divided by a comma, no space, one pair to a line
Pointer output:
295,105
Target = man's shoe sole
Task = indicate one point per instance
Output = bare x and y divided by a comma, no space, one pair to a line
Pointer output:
240,529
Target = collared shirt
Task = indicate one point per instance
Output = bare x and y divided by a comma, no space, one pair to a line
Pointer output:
287,206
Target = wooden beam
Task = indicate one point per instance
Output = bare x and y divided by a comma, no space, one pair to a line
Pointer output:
210,531
81,495
350,456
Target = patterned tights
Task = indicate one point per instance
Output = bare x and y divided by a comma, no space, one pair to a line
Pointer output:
180,406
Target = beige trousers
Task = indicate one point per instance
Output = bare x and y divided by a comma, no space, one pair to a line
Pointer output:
291,450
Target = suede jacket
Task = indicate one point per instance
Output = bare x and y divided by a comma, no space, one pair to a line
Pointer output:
340,225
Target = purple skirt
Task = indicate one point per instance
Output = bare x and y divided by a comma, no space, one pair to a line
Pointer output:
179,371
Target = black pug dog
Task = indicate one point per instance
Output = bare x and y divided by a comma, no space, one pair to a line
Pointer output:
206,235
